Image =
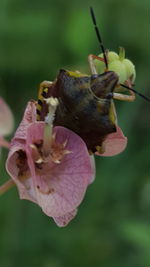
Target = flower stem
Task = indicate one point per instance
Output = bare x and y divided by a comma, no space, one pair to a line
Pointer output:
6,186
4,143
121,53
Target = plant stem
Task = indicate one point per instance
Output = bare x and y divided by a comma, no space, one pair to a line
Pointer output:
6,186
4,143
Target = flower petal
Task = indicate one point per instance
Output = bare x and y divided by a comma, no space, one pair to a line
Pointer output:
6,119
64,220
25,185
60,188
28,118
57,188
114,144
24,182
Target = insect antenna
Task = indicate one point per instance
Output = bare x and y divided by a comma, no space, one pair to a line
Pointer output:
136,92
99,36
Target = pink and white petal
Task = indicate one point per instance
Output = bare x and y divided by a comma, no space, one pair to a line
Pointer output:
6,119
24,184
64,220
28,118
114,144
60,188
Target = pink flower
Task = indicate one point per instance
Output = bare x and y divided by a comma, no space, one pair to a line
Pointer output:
51,166
6,122
52,172
114,144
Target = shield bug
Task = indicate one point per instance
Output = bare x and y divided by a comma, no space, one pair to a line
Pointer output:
86,101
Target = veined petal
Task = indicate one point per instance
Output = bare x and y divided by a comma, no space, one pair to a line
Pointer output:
114,144
60,188
6,119
64,220
28,118
22,180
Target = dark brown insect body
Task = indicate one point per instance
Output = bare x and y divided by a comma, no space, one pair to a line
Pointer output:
86,101
85,105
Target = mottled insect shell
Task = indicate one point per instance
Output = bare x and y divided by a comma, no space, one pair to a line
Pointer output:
85,105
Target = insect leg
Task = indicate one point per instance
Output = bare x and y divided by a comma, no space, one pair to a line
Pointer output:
91,58
124,97
43,85
42,93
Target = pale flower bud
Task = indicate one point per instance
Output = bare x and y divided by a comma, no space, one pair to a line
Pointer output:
119,64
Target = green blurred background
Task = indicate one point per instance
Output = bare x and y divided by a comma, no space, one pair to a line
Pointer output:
112,228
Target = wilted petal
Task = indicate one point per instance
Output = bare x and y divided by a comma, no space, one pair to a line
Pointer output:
6,119
114,144
23,181
28,118
60,188
64,220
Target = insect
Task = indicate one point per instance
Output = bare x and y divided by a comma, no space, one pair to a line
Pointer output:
86,101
